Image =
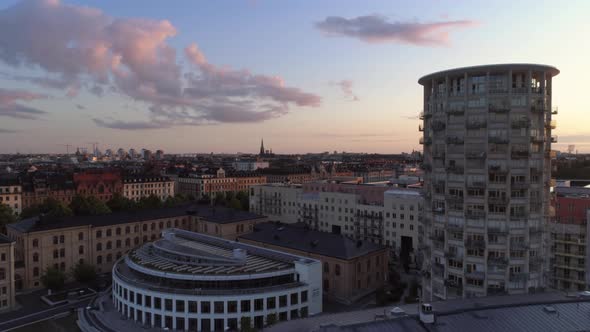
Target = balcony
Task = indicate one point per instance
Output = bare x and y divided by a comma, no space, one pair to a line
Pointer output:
521,276
539,108
454,228
453,255
454,199
554,111
420,128
455,169
520,245
496,169
520,185
475,214
499,261
480,155
438,155
519,124
453,284
519,154
475,243
537,139
497,230
498,109
479,275
456,110
551,124
552,154
455,140
425,141
476,125
425,115
477,184
503,200
553,139
438,210
498,140
438,126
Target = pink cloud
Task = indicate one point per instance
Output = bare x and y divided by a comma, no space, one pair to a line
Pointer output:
83,48
377,29
346,88
10,105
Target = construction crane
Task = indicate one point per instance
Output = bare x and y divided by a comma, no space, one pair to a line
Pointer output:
67,147
94,148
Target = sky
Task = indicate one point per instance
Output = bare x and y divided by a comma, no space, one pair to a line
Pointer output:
307,76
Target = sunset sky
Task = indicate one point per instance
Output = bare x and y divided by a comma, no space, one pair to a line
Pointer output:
307,76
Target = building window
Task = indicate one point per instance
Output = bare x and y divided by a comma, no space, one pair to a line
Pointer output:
258,304
218,307
326,267
99,259
109,245
232,306
303,296
337,269
55,239
326,285
99,246
35,272
80,236
294,298
271,303
35,243
192,306
205,307
168,304
109,232
179,305
35,257
98,234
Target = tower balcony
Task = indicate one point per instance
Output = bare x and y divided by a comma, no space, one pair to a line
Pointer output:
519,124
476,125
425,140
438,126
539,108
555,110
498,140
455,140
519,154
551,124
475,155
553,139
455,169
456,110
420,128
498,109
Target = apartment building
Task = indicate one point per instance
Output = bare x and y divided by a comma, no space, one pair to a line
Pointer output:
487,167
101,240
136,187
569,234
11,194
209,185
7,286
351,269
376,213
277,201
100,183
37,187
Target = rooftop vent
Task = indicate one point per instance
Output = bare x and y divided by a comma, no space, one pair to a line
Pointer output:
549,309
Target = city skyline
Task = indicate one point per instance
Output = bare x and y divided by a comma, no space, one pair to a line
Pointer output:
202,77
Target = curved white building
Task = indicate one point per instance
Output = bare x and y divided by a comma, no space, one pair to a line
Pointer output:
487,161
191,281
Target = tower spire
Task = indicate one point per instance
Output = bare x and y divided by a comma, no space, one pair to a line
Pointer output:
262,151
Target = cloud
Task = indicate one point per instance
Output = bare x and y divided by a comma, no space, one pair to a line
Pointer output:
131,125
378,29
346,87
7,131
82,48
10,105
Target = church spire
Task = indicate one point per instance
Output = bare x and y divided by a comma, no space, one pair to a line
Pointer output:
262,151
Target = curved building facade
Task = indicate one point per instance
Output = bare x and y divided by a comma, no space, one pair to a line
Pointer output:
487,164
191,281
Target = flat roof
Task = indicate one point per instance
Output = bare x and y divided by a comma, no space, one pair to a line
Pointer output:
299,237
501,66
219,215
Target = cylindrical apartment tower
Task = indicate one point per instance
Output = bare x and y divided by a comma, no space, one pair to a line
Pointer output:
487,165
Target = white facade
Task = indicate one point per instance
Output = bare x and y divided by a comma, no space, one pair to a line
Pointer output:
250,165
146,293
279,202
136,188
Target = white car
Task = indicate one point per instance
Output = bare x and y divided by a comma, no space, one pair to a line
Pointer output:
397,312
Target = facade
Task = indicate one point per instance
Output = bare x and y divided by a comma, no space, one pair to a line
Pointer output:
190,281
137,187
569,234
351,269
7,286
38,189
11,195
380,214
208,185
249,166
487,162
101,240
102,184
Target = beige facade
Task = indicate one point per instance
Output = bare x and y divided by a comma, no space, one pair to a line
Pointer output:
102,245
280,202
135,188
7,286
11,195
344,280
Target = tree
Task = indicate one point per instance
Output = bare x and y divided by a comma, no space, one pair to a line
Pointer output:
235,203
88,206
84,273
120,203
244,200
53,278
246,324
150,202
6,216
50,207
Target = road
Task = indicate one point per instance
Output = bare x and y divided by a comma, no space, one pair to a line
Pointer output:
42,315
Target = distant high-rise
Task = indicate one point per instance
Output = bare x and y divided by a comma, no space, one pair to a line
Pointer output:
487,154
